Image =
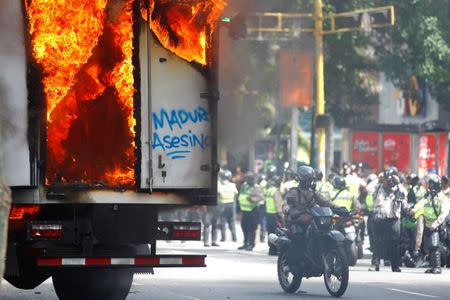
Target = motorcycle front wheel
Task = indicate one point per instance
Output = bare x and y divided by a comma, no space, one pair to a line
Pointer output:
336,272
352,254
289,282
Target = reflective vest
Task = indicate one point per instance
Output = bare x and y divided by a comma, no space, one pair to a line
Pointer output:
244,201
227,193
353,185
419,208
325,189
269,196
344,199
419,192
369,202
428,211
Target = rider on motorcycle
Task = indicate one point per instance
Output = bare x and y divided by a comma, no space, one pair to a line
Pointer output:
304,196
298,201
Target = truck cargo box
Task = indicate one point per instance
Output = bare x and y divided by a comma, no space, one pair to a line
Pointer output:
115,112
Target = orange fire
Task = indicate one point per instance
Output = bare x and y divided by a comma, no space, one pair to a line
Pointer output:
185,26
84,49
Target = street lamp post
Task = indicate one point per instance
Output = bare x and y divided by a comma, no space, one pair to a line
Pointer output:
320,86
271,25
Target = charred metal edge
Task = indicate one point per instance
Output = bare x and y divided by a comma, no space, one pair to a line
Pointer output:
36,132
137,93
213,107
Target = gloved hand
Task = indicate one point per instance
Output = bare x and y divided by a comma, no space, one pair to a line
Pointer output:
433,226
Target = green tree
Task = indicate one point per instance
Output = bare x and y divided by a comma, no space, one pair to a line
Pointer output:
419,44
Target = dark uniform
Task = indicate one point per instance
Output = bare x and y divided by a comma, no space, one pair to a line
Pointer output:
299,200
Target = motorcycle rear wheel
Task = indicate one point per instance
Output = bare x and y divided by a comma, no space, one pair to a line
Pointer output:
289,282
336,272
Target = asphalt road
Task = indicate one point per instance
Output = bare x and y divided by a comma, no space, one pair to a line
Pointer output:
233,274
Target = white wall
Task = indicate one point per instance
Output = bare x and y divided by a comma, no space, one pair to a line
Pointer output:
389,111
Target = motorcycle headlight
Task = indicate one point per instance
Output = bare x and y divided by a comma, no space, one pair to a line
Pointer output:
324,221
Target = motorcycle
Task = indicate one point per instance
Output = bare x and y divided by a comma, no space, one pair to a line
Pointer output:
322,252
344,224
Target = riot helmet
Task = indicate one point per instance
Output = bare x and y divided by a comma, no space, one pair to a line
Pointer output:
319,174
413,179
276,181
434,184
339,182
271,171
306,177
250,178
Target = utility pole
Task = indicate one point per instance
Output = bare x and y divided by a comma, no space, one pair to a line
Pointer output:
294,137
320,85
287,26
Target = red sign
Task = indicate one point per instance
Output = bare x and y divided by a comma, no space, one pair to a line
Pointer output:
396,151
427,154
443,154
365,148
296,78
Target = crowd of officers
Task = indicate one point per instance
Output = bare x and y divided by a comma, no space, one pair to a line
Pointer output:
395,205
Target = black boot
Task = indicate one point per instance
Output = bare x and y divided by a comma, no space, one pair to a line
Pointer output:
435,263
243,247
251,241
375,264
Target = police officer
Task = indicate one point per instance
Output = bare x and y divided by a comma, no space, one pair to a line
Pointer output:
432,212
249,198
273,201
415,194
341,196
322,186
210,220
415,191
227,193
389,200
299,200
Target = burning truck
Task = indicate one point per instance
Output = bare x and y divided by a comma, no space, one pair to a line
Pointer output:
114,106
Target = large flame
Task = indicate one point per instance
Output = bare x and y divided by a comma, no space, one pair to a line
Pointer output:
84,48
185,26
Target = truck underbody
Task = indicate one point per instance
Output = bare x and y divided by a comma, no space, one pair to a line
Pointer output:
84,246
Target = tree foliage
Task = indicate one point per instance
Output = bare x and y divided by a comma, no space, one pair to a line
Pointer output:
418,44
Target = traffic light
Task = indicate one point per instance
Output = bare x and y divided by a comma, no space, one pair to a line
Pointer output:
364,19
237,26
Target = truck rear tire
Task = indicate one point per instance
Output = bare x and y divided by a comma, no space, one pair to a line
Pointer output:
89,284
28,281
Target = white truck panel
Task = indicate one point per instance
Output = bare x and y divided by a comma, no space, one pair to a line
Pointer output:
13,95
177,122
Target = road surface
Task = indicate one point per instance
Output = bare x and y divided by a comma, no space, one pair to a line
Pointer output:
233,274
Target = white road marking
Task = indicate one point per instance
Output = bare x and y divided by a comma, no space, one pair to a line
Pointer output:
412,293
